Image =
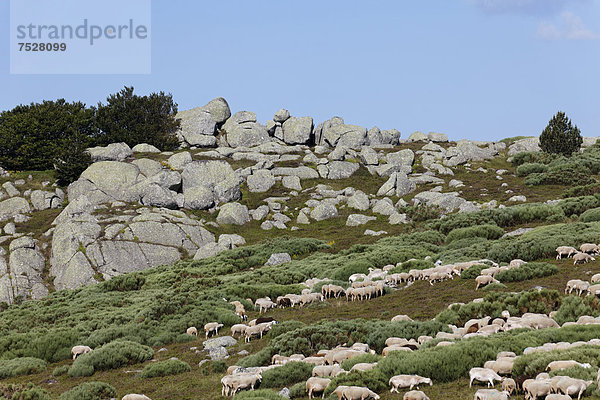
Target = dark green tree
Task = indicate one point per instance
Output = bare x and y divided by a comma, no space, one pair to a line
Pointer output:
560,136
71,161
134,119
32,136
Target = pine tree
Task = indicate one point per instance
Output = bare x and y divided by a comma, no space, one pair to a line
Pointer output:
560,136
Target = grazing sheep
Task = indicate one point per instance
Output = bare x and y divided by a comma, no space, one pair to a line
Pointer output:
589,248
244,381
363,366
571,386
387,350
503,365
192,331
212,327
415,395
315,384
238,329
264,304
516,263
79,350
338,391
564,364
491,394
595,278
409,381
483,375
577,285
509,385
565,250
556,396
484,280
424,339
401,317
359,393
536,388
314,360
582,258
134,396
326,370
594,289
259,329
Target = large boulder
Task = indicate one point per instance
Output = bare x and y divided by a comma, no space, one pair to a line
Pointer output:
335,132
278,258
216,177
144,148
359,201
178,161
398,184
112,152
260,181
233,213
437,137
281,116
107,181
417,137
13,206
198,125
527,144
302,172
447,201
467,151
402,157
243,130
337,169
42,200
297,130
358,219
219,110
324,211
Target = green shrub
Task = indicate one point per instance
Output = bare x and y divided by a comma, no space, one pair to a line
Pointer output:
530,168
354,267
493,287
260,394
483,231
71,161
534,363
218,367
134,119
286,375
527,271
473,271
124,283
560,136
591,215
284,327
32,136
53,346
112,355
374,380
58,371
363,358
413,264
90,391
165,368
570,173
582,190
422,212
571,309
23,392
21,366
298,390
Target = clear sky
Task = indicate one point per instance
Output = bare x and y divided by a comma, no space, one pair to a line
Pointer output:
476,69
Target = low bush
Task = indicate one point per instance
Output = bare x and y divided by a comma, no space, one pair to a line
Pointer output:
260,394
298,390
124,283
413,264
582,190
363,358
484,231
572,173
112,355
355,267
591,215
218,367
286,375
494,286
374,380
534,363
23,392
422,212
58,371
473,271
571,308
21,366
90,391
530,168
527,271
165,368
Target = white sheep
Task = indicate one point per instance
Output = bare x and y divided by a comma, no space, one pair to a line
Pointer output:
565,250
589,248
571,386
212,327
491,394
483,375
192,331
79,350
582,258
409,381
238,329
483,280
134,396
359,393
509,385
564,364
415,395
316,384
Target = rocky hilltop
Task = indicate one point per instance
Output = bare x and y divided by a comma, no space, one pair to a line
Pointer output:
136,208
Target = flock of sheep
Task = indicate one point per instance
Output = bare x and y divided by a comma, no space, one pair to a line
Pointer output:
327,363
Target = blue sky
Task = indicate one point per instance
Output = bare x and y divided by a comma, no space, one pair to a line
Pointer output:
476,69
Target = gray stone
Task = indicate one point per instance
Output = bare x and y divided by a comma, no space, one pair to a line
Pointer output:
467,151
10,228
359,201
291,182
231,241
527,144
369,156
147,166
107,181
437,137
301,172
370,232
209,250
397,218
455,183
42,200
260,213
338,169
233,213
178,161
285,392
198,127
398,184
218,353
402,157
389,169
384,207
145,148
260,181
518,199
336,133
448,201
222,341
13,206
417,137
243,130
112,152
374,137
219,109
4,173
278,258
358,219
302,218
517,232
297,130
266,225
281,116
11,190
324,211
216,176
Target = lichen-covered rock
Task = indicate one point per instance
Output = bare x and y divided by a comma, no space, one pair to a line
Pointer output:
417,137
243,130
337,169
233,213
324,211
278,258
297,130
358,219
178,161
527,144
359,201
437,137
13,206
144,148
112,152
260,181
